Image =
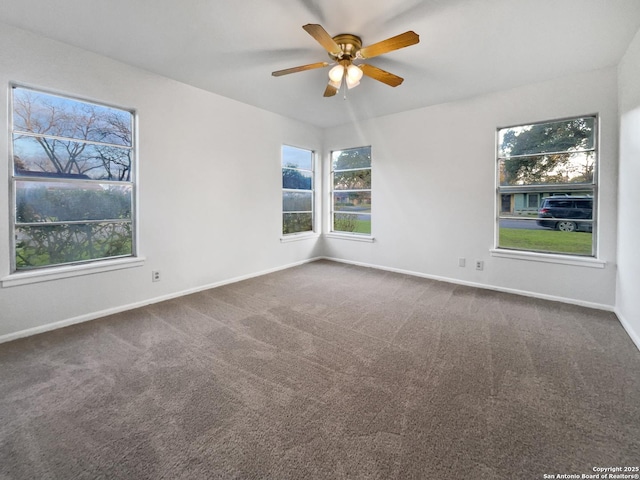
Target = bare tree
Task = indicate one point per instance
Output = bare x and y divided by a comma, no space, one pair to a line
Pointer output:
75,137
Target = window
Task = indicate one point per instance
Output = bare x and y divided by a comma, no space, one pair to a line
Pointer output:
72,181
297,190
351,190
547,186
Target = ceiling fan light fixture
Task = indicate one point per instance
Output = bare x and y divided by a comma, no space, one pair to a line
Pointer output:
351,83
336,73
354,73
343,49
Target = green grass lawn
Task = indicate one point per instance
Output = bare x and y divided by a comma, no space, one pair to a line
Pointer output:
349,223
577,243
363,226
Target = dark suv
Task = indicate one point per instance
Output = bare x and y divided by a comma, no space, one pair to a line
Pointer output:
567,212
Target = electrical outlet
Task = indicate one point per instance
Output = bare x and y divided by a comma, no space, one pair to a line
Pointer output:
479,264
462,262
155,276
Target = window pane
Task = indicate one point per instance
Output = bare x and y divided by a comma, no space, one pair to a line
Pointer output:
45,245
297,201
352,223
352,202
52,115
297,174
59,202
49,157
562,224
547,183
546,240
293,157
296,179
563,136
548,169
72,180
297,222
351,158
352,180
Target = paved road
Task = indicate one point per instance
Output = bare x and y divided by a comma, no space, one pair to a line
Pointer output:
521,224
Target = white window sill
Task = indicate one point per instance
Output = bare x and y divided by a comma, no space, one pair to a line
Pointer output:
57,273
548,258
351,236
294,237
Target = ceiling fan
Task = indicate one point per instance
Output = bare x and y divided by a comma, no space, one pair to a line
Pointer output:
343,50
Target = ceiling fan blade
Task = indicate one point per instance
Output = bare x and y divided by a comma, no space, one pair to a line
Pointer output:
330,91
405,39
301,68
381,75
323,38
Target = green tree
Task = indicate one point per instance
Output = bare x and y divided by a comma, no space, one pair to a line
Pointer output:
53,244
345,223
46,204
297,222
51,241
351,179
546,153
352,158
295,179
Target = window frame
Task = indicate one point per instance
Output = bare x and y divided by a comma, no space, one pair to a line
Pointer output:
18,276
593,188
531,196
331,217
312,191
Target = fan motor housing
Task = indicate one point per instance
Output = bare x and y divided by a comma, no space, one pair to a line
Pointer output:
350,45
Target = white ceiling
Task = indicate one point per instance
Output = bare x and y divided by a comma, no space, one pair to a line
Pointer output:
467,47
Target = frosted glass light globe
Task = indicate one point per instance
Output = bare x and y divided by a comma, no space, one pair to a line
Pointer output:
336,73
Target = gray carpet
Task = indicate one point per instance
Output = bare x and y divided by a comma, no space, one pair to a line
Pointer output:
324,371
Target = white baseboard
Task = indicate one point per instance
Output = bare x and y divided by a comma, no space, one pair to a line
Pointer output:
110,311
572,301
635,337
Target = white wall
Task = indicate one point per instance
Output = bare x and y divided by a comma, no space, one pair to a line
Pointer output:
210,201
628,298
209,197
434,188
